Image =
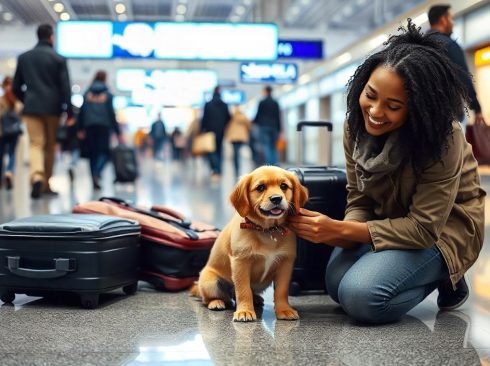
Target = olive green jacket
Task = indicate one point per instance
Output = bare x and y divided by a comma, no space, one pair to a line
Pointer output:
445,206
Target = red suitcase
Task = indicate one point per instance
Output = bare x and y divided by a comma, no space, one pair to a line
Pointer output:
173,249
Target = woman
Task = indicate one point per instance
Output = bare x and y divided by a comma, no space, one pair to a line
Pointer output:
10,129
96,121
415,210
238,133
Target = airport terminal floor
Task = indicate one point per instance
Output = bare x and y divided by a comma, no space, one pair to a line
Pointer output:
156,328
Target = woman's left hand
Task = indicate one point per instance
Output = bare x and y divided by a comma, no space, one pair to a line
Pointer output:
313,226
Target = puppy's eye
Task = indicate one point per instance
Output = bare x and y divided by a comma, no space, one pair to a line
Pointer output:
261,188
284,186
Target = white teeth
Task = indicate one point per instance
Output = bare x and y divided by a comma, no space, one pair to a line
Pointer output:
374,122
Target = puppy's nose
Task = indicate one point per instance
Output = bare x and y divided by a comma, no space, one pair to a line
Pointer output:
276,199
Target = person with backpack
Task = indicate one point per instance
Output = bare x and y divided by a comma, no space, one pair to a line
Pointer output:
96,121
10,130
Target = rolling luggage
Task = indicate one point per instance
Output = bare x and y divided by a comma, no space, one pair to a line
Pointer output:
82,254
328,195
173,249
125,164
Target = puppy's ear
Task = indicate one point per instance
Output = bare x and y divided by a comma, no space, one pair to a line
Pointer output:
239,197
300,193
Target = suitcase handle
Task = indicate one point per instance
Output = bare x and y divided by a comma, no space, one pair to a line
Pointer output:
61,268
300,125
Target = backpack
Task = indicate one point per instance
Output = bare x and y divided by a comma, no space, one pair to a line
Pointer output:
10,124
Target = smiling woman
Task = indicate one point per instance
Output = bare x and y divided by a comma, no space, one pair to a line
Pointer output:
415,209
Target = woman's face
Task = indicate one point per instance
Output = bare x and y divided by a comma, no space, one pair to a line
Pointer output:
384,102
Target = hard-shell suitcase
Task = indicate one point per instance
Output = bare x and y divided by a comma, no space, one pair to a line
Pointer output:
125,164
82,254
173,249
328,195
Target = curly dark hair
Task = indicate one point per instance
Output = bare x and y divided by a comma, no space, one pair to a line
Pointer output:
436,96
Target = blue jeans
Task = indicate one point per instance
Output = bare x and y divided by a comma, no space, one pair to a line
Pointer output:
268,139
7,146
380,287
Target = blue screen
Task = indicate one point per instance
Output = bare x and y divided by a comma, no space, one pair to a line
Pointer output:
300,49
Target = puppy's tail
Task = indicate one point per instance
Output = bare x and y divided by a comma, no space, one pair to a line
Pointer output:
194,291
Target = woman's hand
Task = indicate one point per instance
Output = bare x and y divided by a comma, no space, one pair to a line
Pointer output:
314,226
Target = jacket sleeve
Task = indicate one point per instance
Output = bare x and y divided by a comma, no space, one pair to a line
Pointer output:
259,112
359,206
205,119
431,204
456,55
65,89
112,115
18,82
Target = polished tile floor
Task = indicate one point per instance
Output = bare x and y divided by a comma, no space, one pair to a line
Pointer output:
156,328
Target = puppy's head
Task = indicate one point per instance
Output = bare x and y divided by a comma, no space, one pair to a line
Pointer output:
268,193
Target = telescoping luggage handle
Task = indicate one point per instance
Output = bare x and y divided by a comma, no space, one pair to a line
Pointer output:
61,267
299,129
177,222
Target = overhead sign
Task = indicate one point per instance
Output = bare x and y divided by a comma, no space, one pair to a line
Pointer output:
167,40
230,96
259,72
300,49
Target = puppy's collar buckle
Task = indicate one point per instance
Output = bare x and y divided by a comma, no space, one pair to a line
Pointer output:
248,224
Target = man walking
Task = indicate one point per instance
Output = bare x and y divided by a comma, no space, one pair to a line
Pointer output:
268,118
42,83
442,23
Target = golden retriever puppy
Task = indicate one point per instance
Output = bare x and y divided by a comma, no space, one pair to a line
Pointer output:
255,248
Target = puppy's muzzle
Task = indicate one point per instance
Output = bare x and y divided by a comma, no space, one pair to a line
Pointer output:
276,199
276,206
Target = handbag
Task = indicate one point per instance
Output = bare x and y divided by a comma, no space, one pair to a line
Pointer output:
204,143
11,124
478,135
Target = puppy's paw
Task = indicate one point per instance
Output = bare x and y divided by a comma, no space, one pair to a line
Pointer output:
244,316
287,314
216,304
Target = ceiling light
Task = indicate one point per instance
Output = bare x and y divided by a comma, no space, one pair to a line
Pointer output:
58,7
8,16
181,9
344,58
120,8
240,10
65,16
420,19
75,88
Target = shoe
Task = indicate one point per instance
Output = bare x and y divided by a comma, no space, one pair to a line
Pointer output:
8,181
96,184
36,189
71,174
450,299
49,192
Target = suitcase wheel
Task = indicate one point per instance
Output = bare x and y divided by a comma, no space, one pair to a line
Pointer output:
294,289
7,297
131,289
89,301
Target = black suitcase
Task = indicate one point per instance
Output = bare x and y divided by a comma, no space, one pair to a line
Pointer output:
82,254
328,195
125,164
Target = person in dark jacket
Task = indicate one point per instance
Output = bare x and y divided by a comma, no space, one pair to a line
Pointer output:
268,119
96,121
42,83
441,23
158,136
215,118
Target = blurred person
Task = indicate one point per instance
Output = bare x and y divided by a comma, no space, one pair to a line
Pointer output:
442,22
178,144
72,144
96,122
215,118
42,83
238,133
158,136
268,118
10,129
